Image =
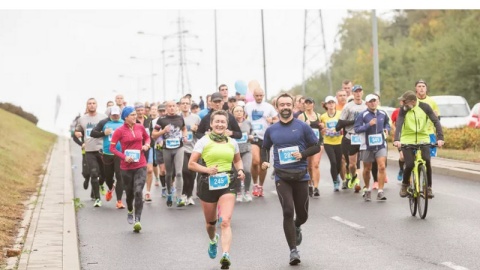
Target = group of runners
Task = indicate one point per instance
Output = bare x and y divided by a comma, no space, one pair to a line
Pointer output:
231,143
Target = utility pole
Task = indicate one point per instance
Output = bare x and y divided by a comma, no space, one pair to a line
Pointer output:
216,51
376,72
313,44
264,62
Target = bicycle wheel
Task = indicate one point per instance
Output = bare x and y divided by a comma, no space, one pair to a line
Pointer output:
411,195
423,196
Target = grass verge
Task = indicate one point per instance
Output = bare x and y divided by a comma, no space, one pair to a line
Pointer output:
23,150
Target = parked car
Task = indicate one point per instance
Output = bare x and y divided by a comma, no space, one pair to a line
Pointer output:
474,117
454,110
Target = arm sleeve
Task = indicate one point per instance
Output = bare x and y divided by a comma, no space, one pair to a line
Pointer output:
77,140
97,131
399,124
343,123
203,127
433,117
235,128
267,144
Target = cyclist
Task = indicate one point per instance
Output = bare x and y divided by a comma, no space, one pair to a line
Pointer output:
412,124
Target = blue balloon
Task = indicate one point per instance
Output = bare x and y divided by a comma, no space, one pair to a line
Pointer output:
241,87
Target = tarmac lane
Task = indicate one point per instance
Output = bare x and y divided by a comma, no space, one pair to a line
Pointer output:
342,232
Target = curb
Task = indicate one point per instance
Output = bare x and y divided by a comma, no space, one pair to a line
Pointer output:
30,206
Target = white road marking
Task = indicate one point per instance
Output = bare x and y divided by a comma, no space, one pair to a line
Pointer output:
453,266
349,223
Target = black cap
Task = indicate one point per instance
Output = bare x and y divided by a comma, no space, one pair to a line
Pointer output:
309,99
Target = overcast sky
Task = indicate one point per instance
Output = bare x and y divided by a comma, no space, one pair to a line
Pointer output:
80,53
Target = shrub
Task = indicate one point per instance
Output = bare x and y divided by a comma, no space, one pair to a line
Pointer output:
19,111
462,138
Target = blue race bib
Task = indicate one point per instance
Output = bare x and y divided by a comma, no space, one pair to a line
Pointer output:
218,181
285,154
172,143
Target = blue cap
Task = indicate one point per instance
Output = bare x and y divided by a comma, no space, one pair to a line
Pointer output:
357,87
127,111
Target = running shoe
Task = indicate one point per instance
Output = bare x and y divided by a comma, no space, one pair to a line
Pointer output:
348,176
120,205
403,190
260,191
164,192
336,186
353,182
212,247
294,257
316,192
190,201
108,196
248,197
400,175
381,197
368,195
345,184
103,191
85,183
375,185
225,261
180,202
298,233
148,198
255,190
97,203
137,226
430,193
169,200
239,197
130,217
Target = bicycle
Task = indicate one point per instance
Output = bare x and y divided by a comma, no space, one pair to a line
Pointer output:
418,189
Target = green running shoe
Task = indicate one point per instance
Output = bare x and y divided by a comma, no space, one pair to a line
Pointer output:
225,261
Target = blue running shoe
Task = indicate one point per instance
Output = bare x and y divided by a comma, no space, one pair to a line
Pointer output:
212,247
130,217
169,200
336,186
400,175
225,261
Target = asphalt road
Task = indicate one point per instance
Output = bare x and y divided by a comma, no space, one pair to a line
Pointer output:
343,231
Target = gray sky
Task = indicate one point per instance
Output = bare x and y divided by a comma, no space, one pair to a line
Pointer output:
79,54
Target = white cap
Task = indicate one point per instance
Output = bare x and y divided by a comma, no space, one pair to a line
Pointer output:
370,97
241,103
330,98
115,110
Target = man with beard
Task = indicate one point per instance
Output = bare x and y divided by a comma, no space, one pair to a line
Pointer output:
293,141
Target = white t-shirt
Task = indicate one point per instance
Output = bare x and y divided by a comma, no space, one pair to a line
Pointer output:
257,114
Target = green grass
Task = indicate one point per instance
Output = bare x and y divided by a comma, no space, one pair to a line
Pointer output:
23,151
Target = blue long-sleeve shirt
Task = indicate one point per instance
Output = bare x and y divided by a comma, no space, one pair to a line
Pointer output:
372,137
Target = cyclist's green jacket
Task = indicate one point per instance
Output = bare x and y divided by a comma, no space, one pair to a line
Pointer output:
412,125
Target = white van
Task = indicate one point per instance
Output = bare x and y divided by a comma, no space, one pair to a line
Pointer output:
454,110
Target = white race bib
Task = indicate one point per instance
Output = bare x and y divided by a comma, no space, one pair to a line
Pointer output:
172,143
218,181
135,154
317,132
244,138
375,139
355,139
285,154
